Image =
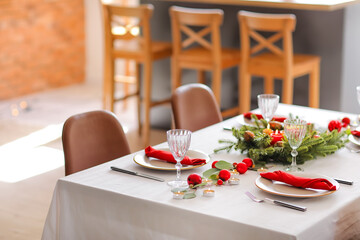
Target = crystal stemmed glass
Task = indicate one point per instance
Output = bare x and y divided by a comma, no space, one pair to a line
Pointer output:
295,130
179,143
268,104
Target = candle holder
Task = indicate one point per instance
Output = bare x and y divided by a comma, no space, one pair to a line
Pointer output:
178,195
208,191
234,178
262,170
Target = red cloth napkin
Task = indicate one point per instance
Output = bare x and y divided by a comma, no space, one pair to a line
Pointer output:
301,182
167,156
259,116
355,133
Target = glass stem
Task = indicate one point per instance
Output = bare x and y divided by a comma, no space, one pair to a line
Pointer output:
294,153
178,170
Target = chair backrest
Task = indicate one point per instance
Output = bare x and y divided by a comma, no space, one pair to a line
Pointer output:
92,138
129,25
194,107
209,22
282,25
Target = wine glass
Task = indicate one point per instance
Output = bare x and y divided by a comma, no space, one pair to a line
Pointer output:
295,130
268,104
179,143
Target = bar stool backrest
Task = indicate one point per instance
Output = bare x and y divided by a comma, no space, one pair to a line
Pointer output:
184,23
128,24
282,25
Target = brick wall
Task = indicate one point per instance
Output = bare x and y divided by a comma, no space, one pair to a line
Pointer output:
42,45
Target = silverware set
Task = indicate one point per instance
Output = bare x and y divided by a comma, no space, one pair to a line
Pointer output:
276,202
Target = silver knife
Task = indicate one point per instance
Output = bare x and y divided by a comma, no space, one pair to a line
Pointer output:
347,182
285,204
137,174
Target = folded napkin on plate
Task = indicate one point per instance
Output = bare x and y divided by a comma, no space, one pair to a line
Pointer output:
167,156
259,116
301,182
355,133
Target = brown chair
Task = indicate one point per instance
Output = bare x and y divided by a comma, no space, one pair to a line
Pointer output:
194,107
92,138
131,42
195,51
277,62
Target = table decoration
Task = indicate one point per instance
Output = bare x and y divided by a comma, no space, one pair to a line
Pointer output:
256,142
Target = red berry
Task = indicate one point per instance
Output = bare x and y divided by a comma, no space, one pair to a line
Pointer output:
334,124
345,121
224,174
194,179
248,162
316,136
234,164
213,164
220,182
241,168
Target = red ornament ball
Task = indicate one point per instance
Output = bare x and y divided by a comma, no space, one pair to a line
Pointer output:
194,179
248,162
224,175
241,168
220,182
213,164
345,121
334,124
234,164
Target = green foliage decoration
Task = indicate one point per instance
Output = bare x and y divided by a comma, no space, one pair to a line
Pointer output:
259,149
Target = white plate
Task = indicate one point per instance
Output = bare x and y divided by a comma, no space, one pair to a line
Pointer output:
158,164
354,140
283,189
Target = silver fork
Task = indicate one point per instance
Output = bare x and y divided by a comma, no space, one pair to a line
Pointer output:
276,202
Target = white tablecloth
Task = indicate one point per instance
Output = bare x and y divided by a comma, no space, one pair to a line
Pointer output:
102,204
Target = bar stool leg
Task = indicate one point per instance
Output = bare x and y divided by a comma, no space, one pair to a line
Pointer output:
147,101
175,75
314,86
288,89
244,91
201,76
138,95
269,85
216,85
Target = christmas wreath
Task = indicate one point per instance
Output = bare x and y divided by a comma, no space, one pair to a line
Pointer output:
265,142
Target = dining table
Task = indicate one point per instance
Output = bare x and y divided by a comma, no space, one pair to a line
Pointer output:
99,203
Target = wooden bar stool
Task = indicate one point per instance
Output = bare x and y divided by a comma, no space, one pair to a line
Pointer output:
134,44
277,62
192,49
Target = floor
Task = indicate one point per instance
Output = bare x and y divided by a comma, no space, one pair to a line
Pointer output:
31,157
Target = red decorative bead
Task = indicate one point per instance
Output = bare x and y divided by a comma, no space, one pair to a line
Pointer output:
241,168
194,179
224,175
220,182
248,162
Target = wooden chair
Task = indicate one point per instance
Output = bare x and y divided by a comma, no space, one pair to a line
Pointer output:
196,51
194,107
131,46
277,62
92,138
